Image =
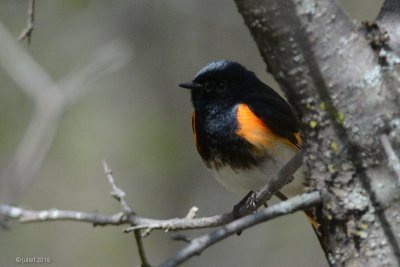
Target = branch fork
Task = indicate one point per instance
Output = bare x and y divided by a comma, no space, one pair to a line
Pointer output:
138,223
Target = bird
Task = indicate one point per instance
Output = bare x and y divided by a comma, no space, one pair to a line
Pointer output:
244,131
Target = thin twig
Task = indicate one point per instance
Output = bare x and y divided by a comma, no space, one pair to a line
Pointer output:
119,195
142,254
192,213
116,192
393,160
30,23
199,244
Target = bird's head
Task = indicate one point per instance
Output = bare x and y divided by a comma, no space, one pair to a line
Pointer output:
219,82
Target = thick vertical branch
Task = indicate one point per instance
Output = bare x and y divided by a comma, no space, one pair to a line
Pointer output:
334,80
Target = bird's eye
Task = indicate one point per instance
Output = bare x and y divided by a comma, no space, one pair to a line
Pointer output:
221,86
208,87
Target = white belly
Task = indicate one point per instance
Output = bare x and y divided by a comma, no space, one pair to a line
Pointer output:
244,180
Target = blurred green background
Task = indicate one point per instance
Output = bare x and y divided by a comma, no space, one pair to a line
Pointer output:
140,122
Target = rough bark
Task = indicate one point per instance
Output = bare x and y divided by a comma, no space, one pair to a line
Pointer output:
388,19
346,97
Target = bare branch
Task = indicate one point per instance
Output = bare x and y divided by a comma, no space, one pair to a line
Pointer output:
176,224
51,100
119,195
281,179
189,222
30,216
199,244
192,212
35,216
116,192
297,203
142,254
128,217
394,162
30,153
30,23
20,66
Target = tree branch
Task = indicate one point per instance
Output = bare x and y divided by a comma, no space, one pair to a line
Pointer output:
30,77
199,244
50,102
280,179
334,80
30,23
31,216
116,192
283,177
310,47
119,195
189,222
36,216
196,246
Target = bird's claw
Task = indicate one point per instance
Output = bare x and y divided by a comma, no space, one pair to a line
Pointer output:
248,202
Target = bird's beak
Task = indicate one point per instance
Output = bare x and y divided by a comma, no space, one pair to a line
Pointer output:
190,85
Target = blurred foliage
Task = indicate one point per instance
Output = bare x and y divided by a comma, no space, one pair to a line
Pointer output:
139,120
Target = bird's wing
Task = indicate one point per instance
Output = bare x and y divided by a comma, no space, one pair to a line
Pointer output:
276,114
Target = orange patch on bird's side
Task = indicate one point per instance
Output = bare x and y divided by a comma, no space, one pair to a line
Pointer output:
252,128
256,132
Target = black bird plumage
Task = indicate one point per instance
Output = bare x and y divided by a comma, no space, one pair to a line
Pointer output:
218,91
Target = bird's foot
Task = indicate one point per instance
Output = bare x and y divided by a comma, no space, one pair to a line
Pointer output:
247,202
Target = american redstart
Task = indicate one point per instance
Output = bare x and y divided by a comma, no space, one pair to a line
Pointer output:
243,130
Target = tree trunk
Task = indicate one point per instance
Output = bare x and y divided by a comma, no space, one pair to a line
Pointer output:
343,80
